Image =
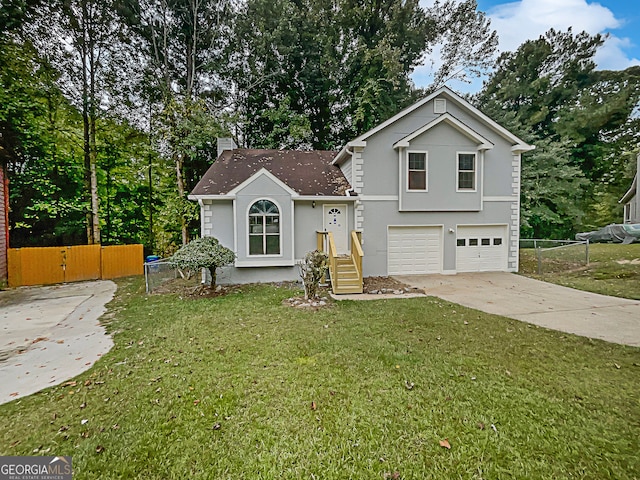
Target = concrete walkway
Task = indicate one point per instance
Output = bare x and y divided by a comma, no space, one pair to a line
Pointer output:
50,334
552,306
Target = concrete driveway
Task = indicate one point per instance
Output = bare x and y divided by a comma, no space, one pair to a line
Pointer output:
50,334
552,306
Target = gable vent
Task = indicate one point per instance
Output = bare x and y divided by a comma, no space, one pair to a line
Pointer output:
439,105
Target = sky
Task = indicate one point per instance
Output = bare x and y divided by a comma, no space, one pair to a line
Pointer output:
521,20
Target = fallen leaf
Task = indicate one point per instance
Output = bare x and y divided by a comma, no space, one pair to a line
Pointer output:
313,406
115,426
217,426
13,394
481,425
617,366
494,428
60,341
409,385
39,339
83,405
84,421
196,402
99,449
69,384
445,443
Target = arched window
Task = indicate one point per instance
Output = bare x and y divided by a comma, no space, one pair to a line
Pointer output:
264,228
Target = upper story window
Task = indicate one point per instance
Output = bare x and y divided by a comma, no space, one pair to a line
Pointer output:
417,170
264,228
466,171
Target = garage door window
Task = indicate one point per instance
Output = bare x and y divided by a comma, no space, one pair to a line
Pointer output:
473,242
497,241
461,242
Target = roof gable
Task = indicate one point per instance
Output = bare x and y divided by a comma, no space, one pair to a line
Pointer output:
302,173
449,119
263,172
518,144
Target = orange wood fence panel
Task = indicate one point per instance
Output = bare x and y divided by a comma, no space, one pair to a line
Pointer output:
122,261
35,266
82,262
49,265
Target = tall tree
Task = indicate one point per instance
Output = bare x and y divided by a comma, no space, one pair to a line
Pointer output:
339,67
182,41
550,92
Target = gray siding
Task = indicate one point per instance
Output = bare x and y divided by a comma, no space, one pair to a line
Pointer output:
442,144
375,232
218,221
347,170
264,188
495,201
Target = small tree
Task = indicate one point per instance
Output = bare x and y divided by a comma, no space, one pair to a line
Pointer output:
312,270
206,253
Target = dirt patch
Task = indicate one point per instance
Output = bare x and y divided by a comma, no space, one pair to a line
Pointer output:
187,288
380,285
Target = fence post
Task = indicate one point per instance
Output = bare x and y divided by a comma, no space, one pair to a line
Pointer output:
587,252
539,255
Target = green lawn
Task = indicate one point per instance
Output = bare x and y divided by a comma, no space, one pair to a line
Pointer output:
610,271
243,387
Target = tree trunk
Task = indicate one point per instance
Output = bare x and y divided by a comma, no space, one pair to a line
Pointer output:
180,184
212,271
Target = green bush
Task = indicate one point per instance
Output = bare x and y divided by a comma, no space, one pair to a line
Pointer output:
201,253
312,270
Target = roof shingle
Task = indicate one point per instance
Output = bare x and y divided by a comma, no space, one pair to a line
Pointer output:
307,173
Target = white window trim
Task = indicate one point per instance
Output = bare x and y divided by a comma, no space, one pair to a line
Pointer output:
426,171
246,219
475,173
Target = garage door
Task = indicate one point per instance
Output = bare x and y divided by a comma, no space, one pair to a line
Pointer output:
414,250
481,248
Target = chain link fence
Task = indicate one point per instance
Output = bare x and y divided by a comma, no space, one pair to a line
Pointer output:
158,273
549,256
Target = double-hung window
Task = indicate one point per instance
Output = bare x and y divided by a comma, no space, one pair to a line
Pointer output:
467,171
264,228
417,170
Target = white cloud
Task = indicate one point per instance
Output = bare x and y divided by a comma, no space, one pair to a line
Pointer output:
523,20
611,56
517,22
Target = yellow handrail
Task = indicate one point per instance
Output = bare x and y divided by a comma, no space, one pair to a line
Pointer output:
357,253
333,256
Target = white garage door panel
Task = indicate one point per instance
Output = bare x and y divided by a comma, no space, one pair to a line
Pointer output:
414,250
474,256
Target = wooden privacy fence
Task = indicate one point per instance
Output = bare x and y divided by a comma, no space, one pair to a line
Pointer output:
47,265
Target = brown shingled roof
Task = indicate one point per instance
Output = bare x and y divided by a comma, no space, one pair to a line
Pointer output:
307,173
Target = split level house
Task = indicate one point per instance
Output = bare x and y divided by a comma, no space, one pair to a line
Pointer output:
433,190
631,199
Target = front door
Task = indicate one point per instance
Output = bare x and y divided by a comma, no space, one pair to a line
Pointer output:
335,221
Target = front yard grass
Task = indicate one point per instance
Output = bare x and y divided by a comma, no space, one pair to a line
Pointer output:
244,387
614,269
